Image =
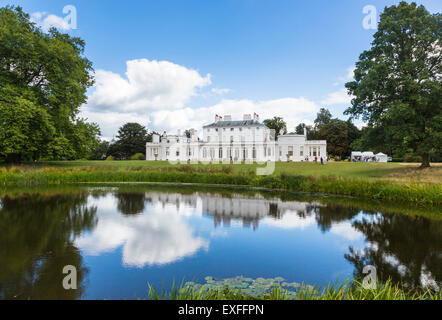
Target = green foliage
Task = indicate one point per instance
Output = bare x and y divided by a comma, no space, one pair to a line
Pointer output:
100,151
397,82
110,158
340,135
358,187
44,76
131,139
241,288
138,156
412,158
278,124
26,131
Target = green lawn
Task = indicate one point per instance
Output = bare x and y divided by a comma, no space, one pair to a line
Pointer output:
387,171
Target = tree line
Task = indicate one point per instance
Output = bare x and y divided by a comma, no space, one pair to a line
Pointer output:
396,91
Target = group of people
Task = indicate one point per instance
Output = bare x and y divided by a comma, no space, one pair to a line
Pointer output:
323,160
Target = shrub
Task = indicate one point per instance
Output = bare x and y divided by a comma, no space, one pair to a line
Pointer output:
138,156
110,158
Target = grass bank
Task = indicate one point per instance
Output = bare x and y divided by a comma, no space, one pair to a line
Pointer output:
361,187
358,187
349,290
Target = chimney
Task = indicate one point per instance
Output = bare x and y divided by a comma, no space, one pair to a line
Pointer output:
255,117
164,134
247,117
216,118
227,118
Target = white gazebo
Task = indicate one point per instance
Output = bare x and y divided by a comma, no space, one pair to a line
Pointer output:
381,157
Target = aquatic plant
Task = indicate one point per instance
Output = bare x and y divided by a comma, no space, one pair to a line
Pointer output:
240,288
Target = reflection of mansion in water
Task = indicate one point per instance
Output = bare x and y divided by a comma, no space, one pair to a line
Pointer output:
226,140
237,208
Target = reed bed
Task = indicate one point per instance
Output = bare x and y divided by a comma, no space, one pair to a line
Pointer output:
428,194
349,290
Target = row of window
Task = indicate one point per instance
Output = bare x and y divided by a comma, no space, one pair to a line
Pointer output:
232,129
236,153
312,152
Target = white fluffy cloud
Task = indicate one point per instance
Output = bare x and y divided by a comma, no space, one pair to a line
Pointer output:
158,237
337,97
220,91
148,85
46,21
154,94
293,110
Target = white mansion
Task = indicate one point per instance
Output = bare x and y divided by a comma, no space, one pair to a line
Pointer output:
226,141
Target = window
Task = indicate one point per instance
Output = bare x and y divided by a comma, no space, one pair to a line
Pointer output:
314,152
231,138
204,153
177,153
301,151
208,139
269,152
254,153
232,129
220,153
290,152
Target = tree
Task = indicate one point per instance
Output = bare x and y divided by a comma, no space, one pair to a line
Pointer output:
278,124
101,151
131,139
188,133
398,81
300,128
25,128
323,117
339,134
48,72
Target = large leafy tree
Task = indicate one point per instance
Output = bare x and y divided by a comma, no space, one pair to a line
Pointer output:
339,134
398,81
48,72
131,139
278,124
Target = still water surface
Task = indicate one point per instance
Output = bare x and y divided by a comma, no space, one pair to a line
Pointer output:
122,237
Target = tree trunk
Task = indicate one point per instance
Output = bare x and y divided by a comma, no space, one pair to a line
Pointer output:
425,161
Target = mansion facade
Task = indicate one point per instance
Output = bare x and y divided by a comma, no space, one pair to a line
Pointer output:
229,141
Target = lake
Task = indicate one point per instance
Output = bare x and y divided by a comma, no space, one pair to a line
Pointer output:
122,237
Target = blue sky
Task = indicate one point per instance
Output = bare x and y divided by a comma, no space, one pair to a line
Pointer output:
174,64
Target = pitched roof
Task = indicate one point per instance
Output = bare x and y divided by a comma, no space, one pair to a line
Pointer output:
240,123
